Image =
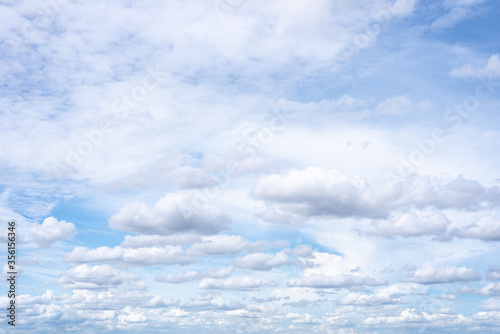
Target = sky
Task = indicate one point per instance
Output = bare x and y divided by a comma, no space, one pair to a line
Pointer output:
237,166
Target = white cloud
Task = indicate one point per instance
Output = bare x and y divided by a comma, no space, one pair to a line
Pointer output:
392,294
429,275
400,105
219,74
209,302
138,241
459,10
451,18
219,244
454,3
406,316
305,251
243,283
493,273
136,256
331,282
262,261
491,69
492,304
411,225
485,228
52,230
490,289
173,213
190,276
96,277
296,195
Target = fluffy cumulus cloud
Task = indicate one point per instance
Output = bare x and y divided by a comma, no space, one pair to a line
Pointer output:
313,191
393,294
493,273
490,289
192,275
219,244
263,261
52,230
96,277
411,225
331,282
173,213
431,275
485,228
133,256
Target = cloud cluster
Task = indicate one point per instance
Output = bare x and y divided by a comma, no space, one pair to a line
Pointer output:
485,228
242,283
263,261
166,255
430,275
411,225
296,195
392,294
96,277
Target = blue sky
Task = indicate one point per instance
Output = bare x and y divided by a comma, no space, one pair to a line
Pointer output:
252,166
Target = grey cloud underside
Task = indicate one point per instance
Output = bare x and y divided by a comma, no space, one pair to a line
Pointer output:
410,225
243,284
172,214
429,275
332,282
297,195
191,276
98,277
